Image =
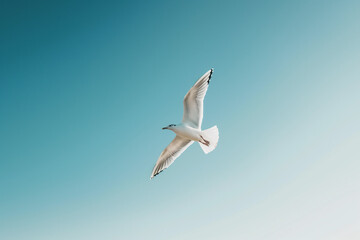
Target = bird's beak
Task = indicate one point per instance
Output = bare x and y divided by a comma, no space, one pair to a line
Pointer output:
164,128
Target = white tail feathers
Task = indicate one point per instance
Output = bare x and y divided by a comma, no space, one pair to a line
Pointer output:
210,135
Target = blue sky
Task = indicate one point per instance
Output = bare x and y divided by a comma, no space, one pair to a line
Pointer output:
87,86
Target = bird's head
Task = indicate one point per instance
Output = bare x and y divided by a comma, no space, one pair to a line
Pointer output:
171,126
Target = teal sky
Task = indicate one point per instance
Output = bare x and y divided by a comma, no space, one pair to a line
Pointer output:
86,86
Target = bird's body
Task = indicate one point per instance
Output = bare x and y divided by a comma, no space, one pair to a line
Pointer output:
189,131
186,131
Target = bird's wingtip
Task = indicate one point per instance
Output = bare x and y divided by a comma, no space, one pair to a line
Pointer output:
211,72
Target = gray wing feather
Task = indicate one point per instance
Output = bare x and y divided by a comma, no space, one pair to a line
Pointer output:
177,146
194,101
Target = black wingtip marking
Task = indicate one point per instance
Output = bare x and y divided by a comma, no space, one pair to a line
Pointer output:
157,173
211,72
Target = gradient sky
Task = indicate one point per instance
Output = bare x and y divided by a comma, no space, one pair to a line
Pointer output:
86,86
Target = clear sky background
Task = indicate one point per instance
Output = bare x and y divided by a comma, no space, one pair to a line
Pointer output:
86,86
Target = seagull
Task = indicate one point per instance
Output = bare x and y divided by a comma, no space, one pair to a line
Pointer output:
189,130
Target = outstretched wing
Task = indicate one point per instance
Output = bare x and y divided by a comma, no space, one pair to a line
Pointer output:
177,146
194,101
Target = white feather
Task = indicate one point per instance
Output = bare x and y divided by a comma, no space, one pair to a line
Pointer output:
170,153
211,135
194,101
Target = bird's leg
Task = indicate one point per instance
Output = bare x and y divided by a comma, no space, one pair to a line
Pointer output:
205,142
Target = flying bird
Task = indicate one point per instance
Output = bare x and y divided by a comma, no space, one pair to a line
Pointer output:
189,130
